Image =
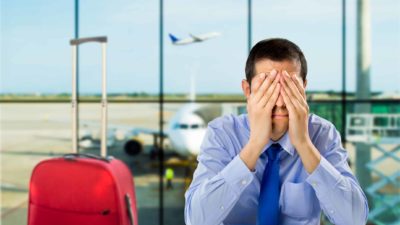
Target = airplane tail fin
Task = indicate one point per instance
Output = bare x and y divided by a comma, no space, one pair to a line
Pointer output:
192,94
173,38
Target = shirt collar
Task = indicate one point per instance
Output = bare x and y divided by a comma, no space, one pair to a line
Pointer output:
284,141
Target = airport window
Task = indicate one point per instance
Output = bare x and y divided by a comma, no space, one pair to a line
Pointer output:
36,71
194,126
183,126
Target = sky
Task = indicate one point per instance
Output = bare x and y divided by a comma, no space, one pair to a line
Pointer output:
36,55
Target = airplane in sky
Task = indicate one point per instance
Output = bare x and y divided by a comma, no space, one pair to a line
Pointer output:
193,38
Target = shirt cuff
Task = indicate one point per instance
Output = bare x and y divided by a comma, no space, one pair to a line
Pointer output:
324,178
237,175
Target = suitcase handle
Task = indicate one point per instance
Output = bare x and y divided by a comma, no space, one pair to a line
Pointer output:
74,101
71,156
79,41
129,208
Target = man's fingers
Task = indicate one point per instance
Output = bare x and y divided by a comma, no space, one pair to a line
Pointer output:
265,85
257,81
294,99
290,83
267,95
286,99
299,84
272,101
292,90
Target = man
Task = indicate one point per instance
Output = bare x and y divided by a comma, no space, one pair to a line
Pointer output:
278,164
169,176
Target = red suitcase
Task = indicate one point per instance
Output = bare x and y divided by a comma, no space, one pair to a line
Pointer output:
83,189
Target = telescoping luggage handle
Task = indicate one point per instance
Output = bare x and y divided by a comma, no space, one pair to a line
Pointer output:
74,43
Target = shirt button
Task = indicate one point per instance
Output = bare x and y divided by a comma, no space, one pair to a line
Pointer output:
244,182
222,207
314,184
332,212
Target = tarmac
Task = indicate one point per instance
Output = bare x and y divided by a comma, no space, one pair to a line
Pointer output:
32,132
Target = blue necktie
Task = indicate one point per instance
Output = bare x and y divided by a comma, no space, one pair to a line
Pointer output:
268,204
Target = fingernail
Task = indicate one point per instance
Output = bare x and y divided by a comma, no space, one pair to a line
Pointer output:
273,72
299,78
262,76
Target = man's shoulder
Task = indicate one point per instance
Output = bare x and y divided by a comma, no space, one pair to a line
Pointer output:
322,130
317,122
229,122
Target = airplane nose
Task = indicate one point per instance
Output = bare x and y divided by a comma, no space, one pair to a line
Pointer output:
194,146
193,142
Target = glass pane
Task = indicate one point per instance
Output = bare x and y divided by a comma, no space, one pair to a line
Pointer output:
132,70
314,27
35,61
214,65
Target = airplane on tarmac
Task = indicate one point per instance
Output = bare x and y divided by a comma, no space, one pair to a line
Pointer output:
193,38
185,131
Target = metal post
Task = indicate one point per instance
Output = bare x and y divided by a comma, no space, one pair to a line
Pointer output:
74,103
363,150
344,100
77,73
249,28
161,103
103,151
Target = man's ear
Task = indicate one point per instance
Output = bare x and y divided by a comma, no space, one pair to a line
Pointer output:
246,88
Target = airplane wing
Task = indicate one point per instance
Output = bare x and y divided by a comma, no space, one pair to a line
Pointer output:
131,130
197,38
139,130
206,36
193,38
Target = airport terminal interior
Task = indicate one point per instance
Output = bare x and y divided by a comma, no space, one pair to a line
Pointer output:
172,67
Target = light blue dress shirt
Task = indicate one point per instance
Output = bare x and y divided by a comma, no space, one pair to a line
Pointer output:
225,191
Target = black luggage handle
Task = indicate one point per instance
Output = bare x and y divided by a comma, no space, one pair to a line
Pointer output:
79,41
72,156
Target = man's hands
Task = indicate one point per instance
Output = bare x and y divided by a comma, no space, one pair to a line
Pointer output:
295,100
265,91
264,94
294,96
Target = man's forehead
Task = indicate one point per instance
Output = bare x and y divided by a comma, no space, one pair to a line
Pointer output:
267,65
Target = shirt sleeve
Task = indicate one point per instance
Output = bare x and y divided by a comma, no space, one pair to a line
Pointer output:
340,196
217,182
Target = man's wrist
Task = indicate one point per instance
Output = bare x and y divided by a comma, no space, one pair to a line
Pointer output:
250,154
303,145
309,155
256,145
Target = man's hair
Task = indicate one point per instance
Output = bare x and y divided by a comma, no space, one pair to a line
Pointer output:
275,49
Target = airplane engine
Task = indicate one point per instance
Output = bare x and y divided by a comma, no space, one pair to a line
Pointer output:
133,147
